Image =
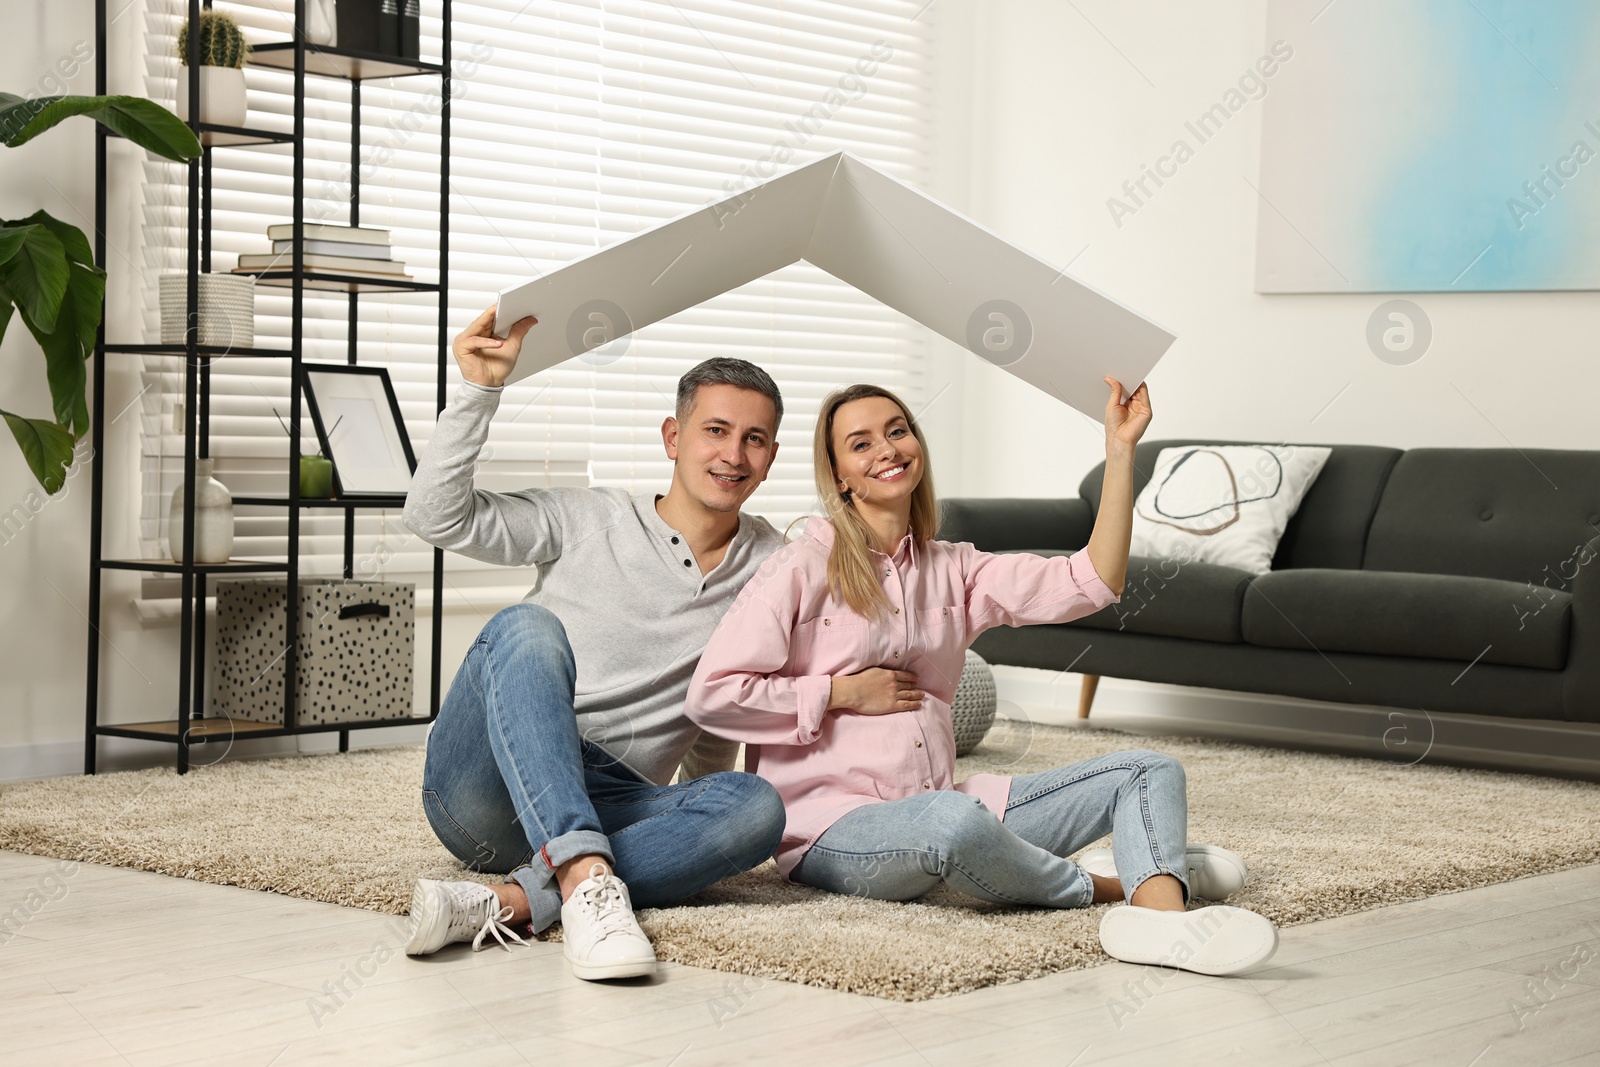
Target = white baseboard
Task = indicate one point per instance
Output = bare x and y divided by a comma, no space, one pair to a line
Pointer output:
1541,746
52,759
44,759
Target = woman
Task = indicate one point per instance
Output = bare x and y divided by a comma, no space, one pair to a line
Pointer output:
837,664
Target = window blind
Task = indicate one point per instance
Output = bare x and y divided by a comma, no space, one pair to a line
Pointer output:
573,126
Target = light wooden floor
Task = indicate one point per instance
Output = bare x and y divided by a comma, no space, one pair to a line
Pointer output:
121,967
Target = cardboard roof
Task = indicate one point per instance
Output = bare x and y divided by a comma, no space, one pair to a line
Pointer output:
872,231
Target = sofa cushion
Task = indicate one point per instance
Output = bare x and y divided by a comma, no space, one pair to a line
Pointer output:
1194,600
1223,504
999,524
1329,529
1517,514
1431,616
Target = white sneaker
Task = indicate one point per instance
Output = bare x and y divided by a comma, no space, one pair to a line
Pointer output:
602,938
443,912
1217,939
1214,873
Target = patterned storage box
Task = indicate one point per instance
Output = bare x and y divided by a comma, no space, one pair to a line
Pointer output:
357,650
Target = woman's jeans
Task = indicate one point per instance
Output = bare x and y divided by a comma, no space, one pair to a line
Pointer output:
900,849
510,786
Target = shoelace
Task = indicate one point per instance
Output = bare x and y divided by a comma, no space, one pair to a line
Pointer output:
465,918
495,923
603,899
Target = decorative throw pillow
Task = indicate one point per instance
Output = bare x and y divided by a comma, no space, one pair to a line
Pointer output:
1223,504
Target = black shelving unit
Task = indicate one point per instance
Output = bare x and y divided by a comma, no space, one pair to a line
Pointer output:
190,726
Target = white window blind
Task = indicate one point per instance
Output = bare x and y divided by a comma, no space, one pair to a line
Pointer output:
573,125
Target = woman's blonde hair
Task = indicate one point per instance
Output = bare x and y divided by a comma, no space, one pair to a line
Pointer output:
852,577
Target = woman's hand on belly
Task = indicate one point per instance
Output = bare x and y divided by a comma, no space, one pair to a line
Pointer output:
875,691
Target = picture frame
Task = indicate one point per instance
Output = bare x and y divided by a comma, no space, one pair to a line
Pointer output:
359,428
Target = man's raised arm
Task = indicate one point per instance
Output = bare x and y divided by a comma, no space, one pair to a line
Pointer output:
442,507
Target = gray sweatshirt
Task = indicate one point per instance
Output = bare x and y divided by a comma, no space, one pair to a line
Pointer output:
636,608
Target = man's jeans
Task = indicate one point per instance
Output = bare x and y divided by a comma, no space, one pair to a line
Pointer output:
900,849
510,787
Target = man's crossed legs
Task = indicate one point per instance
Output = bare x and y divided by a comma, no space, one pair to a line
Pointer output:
511,788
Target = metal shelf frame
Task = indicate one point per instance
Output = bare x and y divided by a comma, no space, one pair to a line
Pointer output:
190,726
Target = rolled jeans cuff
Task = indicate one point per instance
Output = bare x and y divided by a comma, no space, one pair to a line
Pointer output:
544,896
1087,884
1130,885
569,846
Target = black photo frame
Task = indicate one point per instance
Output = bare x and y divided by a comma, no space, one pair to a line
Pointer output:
359,428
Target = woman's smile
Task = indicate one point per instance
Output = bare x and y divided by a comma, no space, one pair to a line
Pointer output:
892,474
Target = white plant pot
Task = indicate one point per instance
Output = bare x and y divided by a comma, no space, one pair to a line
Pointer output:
227,309
222,100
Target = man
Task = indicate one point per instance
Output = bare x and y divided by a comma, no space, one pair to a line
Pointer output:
552,752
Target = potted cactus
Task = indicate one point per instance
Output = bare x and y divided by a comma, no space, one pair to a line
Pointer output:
223,51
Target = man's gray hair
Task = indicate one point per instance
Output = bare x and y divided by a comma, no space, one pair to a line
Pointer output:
725,370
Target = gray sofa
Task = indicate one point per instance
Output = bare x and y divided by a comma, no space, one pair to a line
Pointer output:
1448,579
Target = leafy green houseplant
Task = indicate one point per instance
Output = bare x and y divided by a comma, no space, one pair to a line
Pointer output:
48,277
223,51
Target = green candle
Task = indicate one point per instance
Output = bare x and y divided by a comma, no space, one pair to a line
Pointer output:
316,477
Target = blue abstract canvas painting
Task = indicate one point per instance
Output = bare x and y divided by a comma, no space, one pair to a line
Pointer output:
1435,145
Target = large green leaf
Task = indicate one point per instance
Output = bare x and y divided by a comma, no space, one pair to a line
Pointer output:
37,275
69,344
141,121
46,446
11,238
6,308
71,238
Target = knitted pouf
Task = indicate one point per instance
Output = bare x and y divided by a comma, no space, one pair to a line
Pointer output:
972,710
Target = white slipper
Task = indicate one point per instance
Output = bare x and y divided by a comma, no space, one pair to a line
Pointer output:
1214,873
1217,939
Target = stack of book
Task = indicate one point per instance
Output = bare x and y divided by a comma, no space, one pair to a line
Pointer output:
327,249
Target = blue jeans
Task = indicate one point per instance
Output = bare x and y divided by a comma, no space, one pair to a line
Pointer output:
900,849
511,788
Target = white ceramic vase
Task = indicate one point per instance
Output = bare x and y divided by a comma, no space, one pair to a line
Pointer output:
222,99
322,24
213,518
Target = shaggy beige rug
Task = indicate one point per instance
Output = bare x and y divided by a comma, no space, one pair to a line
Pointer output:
1324,836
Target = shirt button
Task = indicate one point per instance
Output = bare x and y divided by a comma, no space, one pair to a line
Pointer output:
927,784
688,563
919,744
674,540
897,655
897,611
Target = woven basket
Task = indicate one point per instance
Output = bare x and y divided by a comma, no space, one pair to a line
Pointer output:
227,307
972,710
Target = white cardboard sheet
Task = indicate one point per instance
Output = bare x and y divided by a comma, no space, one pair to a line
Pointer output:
873,232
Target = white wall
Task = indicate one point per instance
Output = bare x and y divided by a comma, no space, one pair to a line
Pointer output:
1069,106
43,565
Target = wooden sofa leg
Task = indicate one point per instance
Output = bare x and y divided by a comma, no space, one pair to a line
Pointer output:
1086,694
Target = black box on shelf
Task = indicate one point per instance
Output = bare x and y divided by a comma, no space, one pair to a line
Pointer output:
411,29
389,28
360,23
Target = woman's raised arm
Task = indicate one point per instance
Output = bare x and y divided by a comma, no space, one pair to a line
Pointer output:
1113,524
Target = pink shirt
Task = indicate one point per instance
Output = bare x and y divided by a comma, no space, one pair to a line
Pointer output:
766,676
